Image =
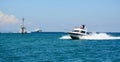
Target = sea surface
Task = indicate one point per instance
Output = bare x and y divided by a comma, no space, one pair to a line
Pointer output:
58,47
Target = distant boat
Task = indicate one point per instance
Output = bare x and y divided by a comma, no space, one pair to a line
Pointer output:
77,33
23,28
37,30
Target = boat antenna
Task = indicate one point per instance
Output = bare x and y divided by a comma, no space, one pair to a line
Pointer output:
23,21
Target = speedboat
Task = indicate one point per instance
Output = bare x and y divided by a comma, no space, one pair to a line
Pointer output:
77,32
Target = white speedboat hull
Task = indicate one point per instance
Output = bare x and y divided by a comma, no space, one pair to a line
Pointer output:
75,35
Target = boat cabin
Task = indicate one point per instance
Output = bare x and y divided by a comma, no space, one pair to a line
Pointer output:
79,30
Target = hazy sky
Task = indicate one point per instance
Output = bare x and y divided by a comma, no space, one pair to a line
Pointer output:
60,15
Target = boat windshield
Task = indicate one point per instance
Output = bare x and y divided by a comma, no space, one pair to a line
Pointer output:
82,31
76,30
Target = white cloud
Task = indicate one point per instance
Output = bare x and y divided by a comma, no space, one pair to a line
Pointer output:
8,23
7,19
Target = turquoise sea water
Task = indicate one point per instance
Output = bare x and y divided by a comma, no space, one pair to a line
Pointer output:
48,47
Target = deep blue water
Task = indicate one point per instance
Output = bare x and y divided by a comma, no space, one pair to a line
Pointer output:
47,47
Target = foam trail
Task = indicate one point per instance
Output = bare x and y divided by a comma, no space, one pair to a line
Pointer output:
94,36
100,36
65,37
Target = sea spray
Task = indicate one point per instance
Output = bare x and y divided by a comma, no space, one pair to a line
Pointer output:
65,37
94,36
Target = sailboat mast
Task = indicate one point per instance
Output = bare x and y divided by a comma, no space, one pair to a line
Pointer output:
23,27
23,22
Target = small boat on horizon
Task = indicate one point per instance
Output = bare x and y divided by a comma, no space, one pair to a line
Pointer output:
38,30
78,32
23,28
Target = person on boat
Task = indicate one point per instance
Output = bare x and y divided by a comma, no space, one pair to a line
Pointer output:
82,27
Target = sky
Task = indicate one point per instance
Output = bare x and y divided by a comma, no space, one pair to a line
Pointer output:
60,15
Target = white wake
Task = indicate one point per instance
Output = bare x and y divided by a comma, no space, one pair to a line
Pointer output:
65,37
94,36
